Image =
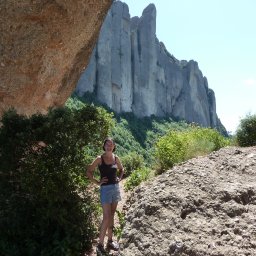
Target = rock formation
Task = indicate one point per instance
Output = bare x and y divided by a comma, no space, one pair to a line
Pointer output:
205,206
44,46
130,70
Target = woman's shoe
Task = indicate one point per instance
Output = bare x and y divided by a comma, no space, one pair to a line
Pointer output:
100,250
111,245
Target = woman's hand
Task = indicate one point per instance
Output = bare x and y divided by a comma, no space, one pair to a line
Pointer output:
118,179
103,180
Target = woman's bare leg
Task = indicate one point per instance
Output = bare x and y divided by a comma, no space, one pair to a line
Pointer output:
105,222
111,222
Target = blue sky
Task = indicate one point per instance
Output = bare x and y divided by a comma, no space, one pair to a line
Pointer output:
221,36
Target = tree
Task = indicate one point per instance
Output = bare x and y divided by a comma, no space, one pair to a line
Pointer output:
46,208
246,132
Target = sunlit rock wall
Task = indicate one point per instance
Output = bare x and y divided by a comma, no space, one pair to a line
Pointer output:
44,46
131,70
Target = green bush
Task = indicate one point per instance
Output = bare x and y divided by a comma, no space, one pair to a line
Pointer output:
202,141
178,146
118,230
124,139
131,162
246,132
137,177
46,208
132,134
170,149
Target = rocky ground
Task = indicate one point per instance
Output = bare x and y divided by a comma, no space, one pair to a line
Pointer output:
205,206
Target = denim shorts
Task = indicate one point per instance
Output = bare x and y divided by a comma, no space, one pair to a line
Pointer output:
110,194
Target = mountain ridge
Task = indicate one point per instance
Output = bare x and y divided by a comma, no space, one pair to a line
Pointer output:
131,71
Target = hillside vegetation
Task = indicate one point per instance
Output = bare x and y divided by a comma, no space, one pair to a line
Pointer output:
151,145
43,159
46,207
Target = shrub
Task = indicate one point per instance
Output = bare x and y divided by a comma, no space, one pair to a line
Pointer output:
137,177
46,208
124,139
202,141
118,230
131,162
178,146
170,149
246,132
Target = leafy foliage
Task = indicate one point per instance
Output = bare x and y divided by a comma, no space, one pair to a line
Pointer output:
178,146
132,134
118,230
170,149
137,140
46,208
124,139
246,133
136,177
131,162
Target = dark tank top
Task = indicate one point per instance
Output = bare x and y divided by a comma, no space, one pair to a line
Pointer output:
109,171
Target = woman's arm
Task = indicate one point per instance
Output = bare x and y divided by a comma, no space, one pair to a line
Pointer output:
90,170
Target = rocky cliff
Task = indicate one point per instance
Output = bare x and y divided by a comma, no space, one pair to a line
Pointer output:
203,207
130,70
44,46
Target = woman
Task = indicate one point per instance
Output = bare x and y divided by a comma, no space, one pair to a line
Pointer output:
108,164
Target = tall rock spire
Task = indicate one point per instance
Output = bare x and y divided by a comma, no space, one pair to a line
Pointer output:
131,70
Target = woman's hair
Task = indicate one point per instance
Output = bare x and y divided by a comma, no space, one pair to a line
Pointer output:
109,139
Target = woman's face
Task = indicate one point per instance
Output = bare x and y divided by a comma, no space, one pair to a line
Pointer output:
109,145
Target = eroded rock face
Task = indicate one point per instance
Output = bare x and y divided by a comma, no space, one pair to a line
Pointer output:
131,71
205,206
44,46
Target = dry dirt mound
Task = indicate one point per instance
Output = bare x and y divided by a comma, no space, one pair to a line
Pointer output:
205,206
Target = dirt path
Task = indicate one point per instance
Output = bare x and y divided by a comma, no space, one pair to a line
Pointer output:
120,207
